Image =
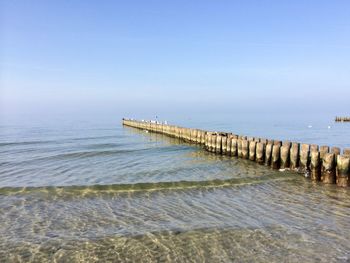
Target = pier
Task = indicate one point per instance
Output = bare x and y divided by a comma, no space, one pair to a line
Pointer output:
342,119
328,165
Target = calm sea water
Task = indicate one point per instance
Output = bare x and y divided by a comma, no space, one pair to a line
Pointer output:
76,191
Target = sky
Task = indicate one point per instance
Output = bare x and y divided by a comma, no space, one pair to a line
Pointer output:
156,57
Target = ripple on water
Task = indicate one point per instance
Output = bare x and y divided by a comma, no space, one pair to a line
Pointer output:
123,195
268,220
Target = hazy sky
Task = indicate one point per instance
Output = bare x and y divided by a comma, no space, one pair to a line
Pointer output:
172,56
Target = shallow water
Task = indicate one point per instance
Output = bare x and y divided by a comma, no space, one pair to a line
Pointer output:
108,193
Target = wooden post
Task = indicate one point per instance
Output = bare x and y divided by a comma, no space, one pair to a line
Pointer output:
206,141
224,144
304,157
277,143
188,134
335,150
202,137
287,143
268,153
239,148
245,149
270,142
285,155
228,144
275,159
193,135
264,141
315,165
260,152
176,132
343,170
346,151
198,136
323,151
183,134
165,129
252,149
294,155
313,147
213,142
234,147
218,148
328,169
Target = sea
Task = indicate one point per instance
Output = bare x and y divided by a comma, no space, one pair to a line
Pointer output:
90,190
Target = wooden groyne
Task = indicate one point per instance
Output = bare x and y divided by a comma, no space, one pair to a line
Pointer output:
321,163
342,119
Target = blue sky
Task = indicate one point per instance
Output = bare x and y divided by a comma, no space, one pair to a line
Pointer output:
132,57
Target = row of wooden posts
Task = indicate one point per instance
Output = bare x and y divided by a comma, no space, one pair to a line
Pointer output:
321,163
342,119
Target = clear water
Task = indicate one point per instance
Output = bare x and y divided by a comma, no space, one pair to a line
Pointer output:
76,191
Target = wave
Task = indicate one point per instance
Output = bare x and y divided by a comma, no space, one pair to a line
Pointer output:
62,140
24,143
86,190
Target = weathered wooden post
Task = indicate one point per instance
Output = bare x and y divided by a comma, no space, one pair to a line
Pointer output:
156,128
328,169
176,132
285,155
264,141
313,147
294,155
206,141
239,148
335,150
224,144
210,141
260,152
252,150
346,151
343,170
192,135
323,151
203,134
196,133
218,144
188,134
269,141
245,149
228,144
279,143
183,133
275,159
304,157
213,142
198,138
203,137
234,146
268,153
315,165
